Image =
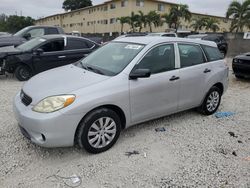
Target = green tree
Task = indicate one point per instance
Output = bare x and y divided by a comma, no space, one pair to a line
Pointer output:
133,20
153,18
178,12
240,13
76,4
141,20
199,23
123,20
212,24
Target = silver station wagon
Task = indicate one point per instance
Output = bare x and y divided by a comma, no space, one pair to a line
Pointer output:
128,81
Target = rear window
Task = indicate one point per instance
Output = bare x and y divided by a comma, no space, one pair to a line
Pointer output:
213,53
52,31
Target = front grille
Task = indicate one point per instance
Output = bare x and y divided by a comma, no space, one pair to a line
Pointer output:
26,100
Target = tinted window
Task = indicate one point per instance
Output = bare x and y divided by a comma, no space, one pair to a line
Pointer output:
36,32
159,59
168,35
190,55
52,31
212,53
74,44
53,46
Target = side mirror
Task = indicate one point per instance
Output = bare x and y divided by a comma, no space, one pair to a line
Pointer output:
38,51
139,73
27,36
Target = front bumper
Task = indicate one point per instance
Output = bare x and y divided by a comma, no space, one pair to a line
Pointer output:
48,130
241,69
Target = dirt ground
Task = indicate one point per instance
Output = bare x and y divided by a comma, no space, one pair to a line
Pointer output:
194,151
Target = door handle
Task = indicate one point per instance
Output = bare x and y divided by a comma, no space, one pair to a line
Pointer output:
207,70
62,56
173,78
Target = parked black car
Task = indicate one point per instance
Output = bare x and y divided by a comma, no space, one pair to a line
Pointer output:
28,33
241,66
218,39
43,53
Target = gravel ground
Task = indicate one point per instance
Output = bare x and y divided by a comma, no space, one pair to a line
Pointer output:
194,151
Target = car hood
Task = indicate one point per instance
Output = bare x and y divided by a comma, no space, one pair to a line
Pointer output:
9,50
245,56
58,81
11,40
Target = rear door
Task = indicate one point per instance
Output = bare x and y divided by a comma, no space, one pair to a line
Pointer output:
77,48
194,73
157,95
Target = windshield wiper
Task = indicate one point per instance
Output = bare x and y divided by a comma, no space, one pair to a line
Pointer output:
94,70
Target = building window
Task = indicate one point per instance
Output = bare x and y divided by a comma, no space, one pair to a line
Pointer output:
105,21
161,7
112,20
105,8
140,3
112,6
124,3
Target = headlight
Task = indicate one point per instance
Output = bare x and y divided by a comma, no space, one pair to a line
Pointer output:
235,60
53,103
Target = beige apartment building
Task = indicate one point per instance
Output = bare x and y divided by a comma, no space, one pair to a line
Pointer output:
102,18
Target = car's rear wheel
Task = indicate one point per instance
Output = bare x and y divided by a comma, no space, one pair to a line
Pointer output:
99,130
212,101
22,73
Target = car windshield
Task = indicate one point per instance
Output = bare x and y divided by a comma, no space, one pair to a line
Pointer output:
112,58
21,32
154,34
31,44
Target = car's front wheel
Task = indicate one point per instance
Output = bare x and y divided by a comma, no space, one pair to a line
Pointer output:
212,101
22,73
99,130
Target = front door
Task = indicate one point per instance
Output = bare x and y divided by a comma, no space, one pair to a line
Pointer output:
157,95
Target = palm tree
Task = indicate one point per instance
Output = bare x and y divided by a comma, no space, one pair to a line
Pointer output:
123,20
199,23
153,18
212,24
240,13
141,20
176,13
133,20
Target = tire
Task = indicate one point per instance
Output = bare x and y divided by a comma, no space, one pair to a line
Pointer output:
98,131
213,95
22,73
239,76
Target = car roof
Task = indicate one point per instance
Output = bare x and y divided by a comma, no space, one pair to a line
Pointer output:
157,40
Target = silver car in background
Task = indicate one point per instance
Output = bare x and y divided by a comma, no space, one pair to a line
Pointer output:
126,82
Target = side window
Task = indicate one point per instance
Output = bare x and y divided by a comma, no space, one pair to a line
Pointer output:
190,55
213,53
51,31
36,32
159,59
53,46
76,44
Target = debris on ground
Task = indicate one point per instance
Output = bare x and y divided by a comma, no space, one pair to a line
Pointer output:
72,181
162,129
234,153
223,114
240,142
129,153
247,159
145,155
232,134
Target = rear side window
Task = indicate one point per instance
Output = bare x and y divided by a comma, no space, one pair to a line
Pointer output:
37,32
191,55
52,31
213,53
76,44
159,59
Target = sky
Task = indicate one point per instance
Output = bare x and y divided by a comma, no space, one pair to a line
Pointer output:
43,8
